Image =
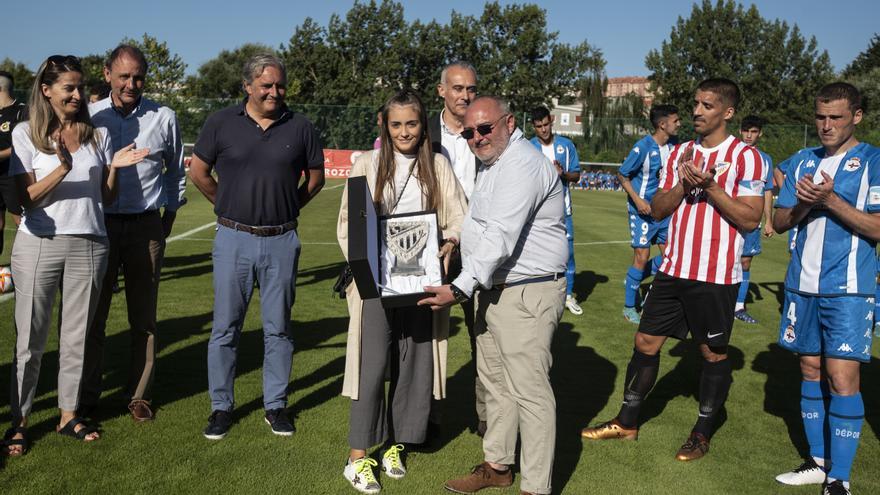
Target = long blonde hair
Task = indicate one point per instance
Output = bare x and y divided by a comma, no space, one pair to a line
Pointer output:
424,161
43,121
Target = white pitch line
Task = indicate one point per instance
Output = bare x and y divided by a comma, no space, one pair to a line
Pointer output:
6,297
600,242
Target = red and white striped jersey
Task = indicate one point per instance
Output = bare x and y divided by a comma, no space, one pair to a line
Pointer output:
701,244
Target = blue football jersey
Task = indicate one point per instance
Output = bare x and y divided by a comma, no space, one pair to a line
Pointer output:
829,258
642,167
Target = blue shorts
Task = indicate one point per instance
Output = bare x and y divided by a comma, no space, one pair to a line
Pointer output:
752,244
836,327
645,231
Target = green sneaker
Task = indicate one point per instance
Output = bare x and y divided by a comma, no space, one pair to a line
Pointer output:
631,315
360,474
392,464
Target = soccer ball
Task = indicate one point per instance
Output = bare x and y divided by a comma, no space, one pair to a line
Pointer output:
5,280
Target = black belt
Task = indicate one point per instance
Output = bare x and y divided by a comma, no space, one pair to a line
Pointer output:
259,231
132,216
534,280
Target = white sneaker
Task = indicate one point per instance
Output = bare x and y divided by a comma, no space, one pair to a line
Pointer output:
808,473
360,474
392,464
573,306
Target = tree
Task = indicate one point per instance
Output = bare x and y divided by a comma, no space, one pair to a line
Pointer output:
354,64
866,61
777,69
23,76
221,77
93,70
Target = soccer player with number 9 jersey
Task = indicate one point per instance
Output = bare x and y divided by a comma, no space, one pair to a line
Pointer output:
833,197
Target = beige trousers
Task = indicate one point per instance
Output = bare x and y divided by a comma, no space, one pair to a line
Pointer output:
514,330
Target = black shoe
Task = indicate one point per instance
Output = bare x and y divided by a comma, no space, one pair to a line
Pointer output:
218,425
836,488
281,425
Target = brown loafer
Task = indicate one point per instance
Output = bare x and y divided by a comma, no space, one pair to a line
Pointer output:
694,448
140,410
482,476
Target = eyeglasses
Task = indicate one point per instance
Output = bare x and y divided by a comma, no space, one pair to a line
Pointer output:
483,129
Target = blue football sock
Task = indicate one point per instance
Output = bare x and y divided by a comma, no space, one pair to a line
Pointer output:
743,288
845,416
813,414
656,261
632,284
653,266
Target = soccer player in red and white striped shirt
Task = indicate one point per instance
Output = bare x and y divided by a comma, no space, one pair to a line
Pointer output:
713,188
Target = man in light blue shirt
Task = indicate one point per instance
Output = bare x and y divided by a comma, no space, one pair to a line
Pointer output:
514,253
135,227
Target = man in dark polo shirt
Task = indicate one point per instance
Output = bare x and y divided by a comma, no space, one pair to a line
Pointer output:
11,113
259,149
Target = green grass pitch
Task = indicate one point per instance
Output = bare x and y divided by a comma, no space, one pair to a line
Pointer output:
758,439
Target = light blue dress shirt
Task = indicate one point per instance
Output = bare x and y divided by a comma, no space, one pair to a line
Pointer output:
160,179
514,228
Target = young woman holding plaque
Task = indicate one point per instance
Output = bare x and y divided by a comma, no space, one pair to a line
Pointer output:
404,176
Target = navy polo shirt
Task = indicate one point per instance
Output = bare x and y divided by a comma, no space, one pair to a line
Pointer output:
258,170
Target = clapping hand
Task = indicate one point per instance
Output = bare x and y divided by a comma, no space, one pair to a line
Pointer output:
63,152
128,156
690,171
814,194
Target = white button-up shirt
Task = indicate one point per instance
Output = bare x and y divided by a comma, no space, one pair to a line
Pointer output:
455,148
160,179
514,228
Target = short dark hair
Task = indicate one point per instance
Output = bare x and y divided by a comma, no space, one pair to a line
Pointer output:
101,90
841,91
540,113
660,112
130,50
726,89
752,121
7,75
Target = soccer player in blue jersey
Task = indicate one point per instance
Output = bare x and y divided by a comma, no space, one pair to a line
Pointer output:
751,129
833,194
564,156
638,176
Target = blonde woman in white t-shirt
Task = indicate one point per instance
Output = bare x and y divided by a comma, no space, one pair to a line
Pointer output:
405,177
64,171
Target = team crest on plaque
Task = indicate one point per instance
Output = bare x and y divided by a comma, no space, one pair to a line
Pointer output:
406,240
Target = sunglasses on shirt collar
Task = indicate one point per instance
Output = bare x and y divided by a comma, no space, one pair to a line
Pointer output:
483,129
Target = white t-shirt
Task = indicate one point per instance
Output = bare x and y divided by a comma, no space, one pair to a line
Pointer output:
74,207
411,200
548,151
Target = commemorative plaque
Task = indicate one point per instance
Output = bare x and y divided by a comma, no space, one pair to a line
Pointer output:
391,257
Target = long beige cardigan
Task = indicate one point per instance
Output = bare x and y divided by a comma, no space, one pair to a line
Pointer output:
450,216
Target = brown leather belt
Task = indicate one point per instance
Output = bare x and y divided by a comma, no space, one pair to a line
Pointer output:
259,231
534,280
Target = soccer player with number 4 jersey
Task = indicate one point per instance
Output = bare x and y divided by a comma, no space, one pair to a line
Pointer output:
832,194
713,188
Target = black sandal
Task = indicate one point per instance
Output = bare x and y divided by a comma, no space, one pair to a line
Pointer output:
69,429
9,441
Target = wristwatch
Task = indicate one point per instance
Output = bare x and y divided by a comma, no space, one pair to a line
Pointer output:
458,294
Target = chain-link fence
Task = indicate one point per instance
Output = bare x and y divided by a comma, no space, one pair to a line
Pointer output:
605,140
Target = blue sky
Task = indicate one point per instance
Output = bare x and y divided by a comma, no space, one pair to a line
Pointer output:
198,30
